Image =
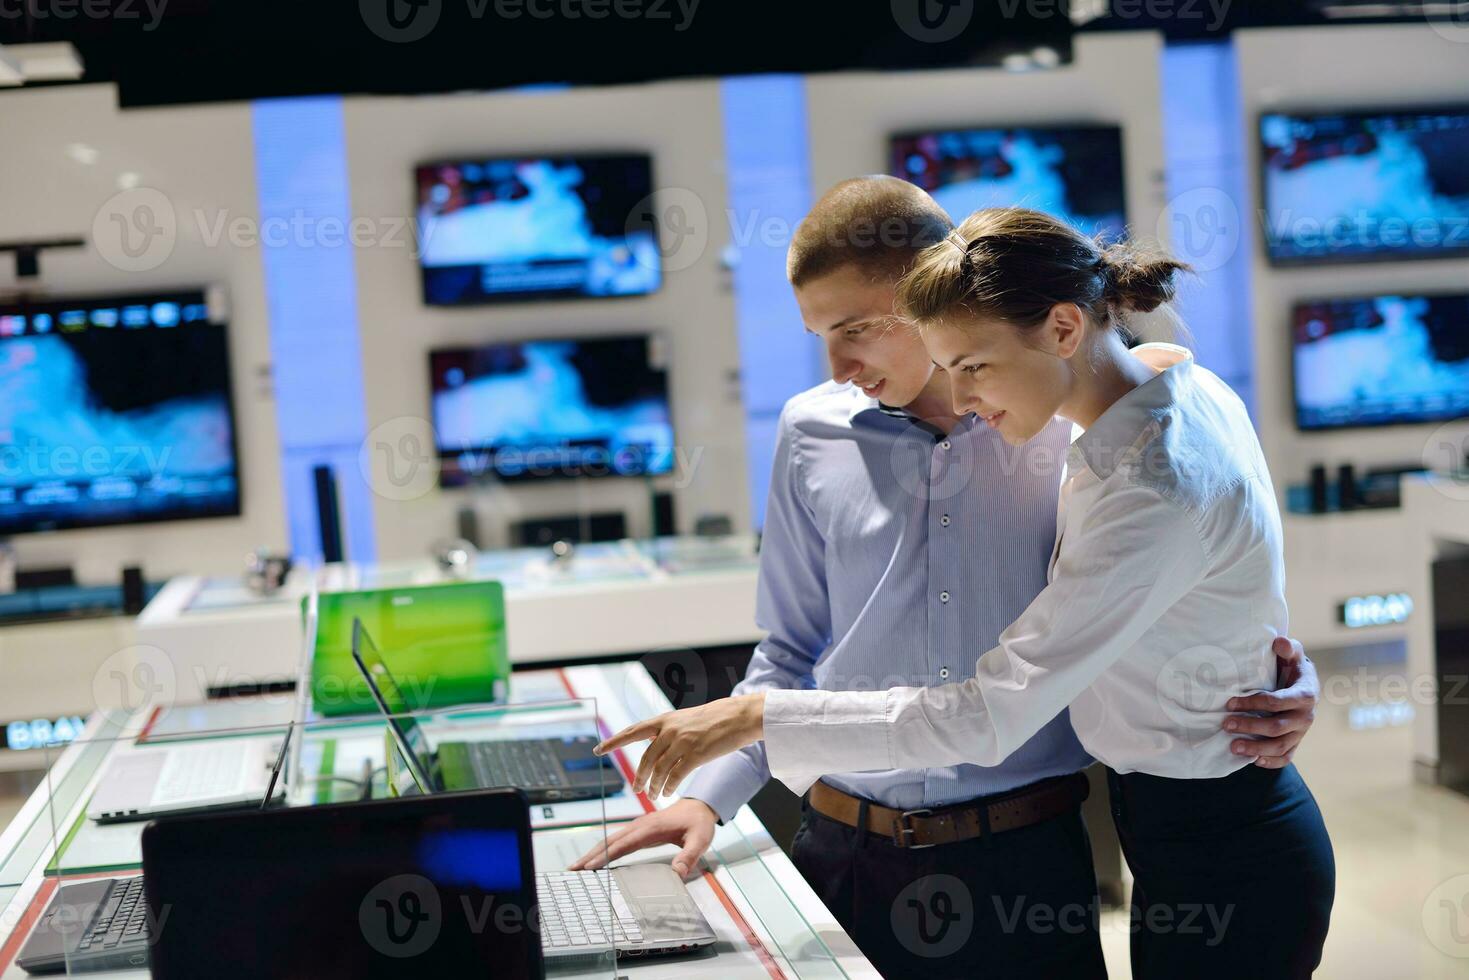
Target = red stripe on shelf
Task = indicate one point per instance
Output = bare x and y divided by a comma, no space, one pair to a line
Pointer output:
751,939
26,923
152,720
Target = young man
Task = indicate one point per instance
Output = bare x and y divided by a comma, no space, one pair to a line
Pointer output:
899,542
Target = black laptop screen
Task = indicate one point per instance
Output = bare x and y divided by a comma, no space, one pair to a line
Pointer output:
423,886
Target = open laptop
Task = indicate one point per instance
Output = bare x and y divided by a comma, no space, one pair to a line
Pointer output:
392,888
211,774
547,770
100,923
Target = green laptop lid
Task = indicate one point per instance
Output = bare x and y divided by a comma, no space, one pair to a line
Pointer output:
447,644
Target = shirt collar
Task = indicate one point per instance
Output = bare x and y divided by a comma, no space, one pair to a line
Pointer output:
1103,446
866,403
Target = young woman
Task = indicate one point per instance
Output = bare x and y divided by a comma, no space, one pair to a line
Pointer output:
1166,590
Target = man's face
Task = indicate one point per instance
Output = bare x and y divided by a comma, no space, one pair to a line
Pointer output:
866,342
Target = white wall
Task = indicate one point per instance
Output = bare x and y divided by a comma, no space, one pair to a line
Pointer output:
200,158
679,123
1334,556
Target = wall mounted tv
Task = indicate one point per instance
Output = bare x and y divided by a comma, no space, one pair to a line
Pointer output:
1381,360
1073,172
1351,186
537,228
537,409
114,410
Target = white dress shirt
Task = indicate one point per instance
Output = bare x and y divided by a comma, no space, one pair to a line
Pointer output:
1166,589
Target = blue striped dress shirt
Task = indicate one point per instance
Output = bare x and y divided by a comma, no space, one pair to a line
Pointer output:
894,555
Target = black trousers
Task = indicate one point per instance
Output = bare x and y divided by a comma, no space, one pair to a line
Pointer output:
1233,877
1019,904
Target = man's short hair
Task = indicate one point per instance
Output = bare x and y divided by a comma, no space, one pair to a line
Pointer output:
877,224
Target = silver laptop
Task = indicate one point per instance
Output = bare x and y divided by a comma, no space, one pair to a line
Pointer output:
640,910
226,773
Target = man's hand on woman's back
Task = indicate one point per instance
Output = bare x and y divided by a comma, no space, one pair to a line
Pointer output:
1279,718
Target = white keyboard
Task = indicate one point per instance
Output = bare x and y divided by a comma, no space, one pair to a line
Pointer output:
201,772
578,908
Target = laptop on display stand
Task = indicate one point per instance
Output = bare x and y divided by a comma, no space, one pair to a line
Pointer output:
101,924
547,770
653,911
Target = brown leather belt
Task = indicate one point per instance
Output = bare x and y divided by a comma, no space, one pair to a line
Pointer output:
1023,807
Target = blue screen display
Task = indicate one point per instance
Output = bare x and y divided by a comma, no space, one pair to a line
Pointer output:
472,858
494,230
553,408
1074,173
114,411
1381,360
1358,186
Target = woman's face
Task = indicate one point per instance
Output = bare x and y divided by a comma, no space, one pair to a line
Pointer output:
1014,381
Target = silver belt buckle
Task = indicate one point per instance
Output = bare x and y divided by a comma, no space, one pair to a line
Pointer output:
903,834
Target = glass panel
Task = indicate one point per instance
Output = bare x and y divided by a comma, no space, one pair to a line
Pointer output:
685,556
85,893
385,814
28,838
756,899
768,885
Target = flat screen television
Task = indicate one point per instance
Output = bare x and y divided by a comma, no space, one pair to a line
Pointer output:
1359,186
537,228
1381,360
538,409
1073,172
114,410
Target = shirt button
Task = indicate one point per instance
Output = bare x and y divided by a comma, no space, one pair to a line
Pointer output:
945,520
943,597
943,672
946,445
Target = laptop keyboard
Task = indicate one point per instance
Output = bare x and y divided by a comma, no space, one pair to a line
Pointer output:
578,908
199,772
524,764
122,916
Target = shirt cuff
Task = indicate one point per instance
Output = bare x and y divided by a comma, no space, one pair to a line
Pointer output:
728,783
810,734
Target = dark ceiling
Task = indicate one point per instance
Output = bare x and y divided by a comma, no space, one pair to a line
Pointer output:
171,51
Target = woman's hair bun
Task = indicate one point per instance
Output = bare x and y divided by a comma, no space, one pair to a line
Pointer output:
1139,278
